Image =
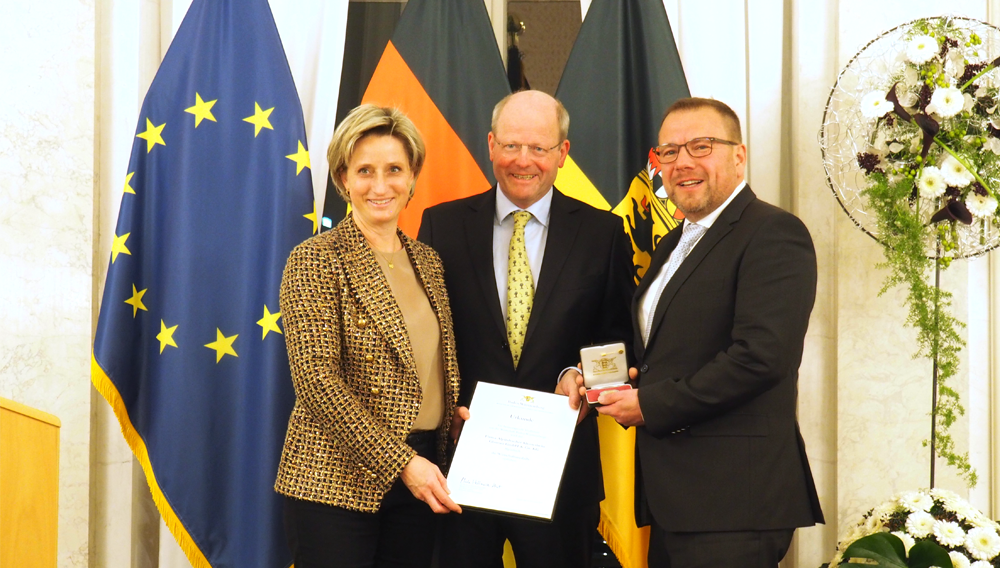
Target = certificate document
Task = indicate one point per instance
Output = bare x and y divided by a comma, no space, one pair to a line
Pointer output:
512,452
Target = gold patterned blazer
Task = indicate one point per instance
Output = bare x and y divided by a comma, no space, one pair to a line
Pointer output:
356,385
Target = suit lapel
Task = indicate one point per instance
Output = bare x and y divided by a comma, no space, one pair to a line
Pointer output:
479,230
563,227
373,294
660,255
722,226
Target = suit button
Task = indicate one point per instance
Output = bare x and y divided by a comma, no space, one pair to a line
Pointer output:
362,322
644,368
376,390
503,345
369,358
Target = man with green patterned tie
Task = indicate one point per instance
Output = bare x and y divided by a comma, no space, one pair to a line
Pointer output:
532,275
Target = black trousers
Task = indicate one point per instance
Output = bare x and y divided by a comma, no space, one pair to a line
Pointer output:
475,540
736,549
401,534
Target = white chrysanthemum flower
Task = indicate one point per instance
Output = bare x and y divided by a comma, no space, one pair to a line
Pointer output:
931,184
959,560
949,533
948,499
955,173
920,524
921,49
908,541
915,501
962,508
982,543
874,105
947,101
981,205
980,564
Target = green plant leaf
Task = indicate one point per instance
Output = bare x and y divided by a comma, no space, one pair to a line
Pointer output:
885,549
926,553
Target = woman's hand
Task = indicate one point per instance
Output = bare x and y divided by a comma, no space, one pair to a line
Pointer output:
425,481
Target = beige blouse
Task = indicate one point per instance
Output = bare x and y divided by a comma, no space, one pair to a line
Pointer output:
425,335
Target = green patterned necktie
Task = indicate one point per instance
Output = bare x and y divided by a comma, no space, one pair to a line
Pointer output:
520,287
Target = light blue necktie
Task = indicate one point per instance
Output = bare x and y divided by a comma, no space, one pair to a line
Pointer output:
692,233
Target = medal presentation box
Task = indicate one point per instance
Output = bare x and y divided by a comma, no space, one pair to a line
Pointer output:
605,367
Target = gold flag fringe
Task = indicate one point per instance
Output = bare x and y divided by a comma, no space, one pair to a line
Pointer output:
612,536
110,393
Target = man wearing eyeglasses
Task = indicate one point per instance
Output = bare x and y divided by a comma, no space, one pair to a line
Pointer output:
575,263
719,323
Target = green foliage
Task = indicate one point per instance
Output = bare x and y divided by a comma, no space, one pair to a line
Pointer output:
903,235
887,551
879,549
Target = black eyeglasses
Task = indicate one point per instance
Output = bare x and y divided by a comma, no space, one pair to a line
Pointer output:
696,148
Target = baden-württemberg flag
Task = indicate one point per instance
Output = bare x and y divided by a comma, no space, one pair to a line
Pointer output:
443,69
623,73
189,348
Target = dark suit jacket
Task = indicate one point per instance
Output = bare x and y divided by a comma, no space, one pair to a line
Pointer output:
581,298
720,449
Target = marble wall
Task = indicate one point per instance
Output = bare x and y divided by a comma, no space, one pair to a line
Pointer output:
47,189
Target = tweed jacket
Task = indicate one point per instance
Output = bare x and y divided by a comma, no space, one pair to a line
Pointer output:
356,385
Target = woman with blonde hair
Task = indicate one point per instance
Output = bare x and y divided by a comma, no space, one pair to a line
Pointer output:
372,354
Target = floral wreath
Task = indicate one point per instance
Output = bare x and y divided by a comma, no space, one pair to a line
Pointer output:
911,148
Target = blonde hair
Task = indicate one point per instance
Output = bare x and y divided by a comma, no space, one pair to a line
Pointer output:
373,120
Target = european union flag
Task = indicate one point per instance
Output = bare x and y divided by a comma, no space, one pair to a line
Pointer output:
189,348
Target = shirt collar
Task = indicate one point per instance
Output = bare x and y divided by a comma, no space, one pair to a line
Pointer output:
539,209
709,219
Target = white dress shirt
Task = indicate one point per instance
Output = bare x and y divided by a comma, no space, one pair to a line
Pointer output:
536,232
647,304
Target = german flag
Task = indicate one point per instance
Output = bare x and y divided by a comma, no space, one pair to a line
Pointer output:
443,69
623,73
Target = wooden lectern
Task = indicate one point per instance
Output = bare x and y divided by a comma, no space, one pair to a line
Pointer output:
29,486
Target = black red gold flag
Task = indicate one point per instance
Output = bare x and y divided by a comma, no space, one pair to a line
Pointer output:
189,349
443,69
623,73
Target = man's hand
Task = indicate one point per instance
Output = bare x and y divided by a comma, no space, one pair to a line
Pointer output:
623,406
425,481
571,385
457,421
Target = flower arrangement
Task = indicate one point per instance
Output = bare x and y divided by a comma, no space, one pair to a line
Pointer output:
926,519
929,178
935,130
